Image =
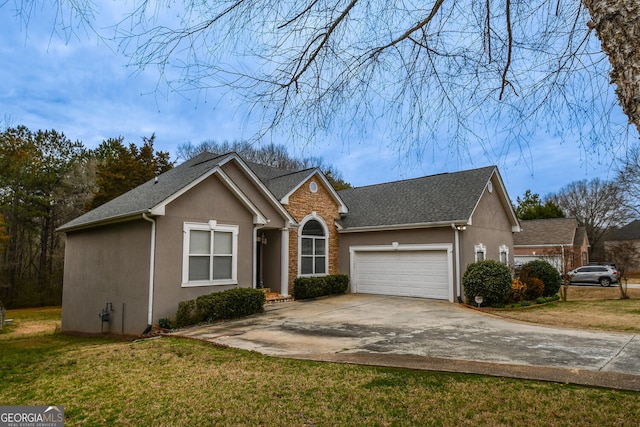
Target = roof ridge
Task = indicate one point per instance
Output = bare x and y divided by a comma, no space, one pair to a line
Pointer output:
292,173
421,177
215,156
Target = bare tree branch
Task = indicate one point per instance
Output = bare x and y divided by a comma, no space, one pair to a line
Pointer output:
505,82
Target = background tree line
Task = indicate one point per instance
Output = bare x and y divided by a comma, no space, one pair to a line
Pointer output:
601,206
47,180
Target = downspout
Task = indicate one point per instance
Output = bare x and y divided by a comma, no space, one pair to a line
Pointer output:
457,245
152,263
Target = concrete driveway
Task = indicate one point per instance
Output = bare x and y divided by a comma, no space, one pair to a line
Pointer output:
429,334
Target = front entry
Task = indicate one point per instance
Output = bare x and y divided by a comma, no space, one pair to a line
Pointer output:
268,259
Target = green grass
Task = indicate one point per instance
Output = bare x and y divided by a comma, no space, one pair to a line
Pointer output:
588,307
175,382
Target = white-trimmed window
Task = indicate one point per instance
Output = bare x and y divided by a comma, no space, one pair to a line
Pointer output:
481,252
313,248
504,254
210,254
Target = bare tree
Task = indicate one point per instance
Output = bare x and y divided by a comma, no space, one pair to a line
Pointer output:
626,255
410,72
596,204
270,155
629,179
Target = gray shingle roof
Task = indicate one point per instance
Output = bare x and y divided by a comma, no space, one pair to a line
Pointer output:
447,197
630,231
148,195
279,181
552,231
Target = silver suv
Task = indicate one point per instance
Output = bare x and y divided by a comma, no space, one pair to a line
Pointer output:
602,274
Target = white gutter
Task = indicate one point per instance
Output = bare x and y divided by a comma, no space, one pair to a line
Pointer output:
152,263
457,245
399,226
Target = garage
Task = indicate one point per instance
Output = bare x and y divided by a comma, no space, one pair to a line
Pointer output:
410,270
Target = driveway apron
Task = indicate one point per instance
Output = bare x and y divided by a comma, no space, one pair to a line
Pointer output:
343,327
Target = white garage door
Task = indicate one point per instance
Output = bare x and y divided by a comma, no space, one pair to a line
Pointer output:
422,273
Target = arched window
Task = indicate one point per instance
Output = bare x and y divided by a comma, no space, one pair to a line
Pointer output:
313,249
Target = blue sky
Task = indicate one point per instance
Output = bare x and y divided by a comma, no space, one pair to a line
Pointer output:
85,89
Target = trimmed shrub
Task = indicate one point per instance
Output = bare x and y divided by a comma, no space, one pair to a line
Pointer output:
164,323
313,287
185,314
229,304
544,271
535,288
490,279
337,283
518,291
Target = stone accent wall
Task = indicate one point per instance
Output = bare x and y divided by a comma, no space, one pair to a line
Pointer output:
301,204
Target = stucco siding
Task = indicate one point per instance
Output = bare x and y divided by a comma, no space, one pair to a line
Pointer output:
107,265
209,200
490,227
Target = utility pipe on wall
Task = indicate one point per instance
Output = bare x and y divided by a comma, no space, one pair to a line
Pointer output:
152,262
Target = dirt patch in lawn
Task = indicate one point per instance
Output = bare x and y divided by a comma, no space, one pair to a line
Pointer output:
30,321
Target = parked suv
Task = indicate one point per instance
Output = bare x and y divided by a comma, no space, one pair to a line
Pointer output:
603,274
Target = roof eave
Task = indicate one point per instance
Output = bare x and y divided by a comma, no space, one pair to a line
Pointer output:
391,227
131,216
544,245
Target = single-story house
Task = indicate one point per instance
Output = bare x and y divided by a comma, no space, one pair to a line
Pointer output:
559,241
217,222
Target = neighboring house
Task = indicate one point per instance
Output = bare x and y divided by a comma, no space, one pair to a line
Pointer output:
217,222
622,246
560,241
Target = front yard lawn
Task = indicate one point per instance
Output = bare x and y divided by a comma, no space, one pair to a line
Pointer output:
588,307
173,381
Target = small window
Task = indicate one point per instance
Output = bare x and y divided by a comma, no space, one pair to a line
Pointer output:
313,187
313,249
504,254
481,252
210,254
